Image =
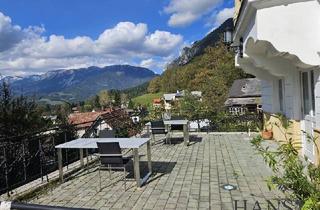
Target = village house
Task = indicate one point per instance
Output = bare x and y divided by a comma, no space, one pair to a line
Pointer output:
278,42
170,98
244,96
84,121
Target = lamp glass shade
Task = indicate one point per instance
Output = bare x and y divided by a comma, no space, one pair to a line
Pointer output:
227,36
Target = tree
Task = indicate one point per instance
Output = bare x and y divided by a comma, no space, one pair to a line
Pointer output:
192,107
19,115
104,99
117,98
154,85
124,98
130,104
212,73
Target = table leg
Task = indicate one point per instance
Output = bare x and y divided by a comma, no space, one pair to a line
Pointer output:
136,167
153,139
186,134
87,153
81,158
168,128
149,156
148,130
60,164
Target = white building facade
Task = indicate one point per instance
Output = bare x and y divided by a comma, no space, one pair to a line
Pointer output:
281,47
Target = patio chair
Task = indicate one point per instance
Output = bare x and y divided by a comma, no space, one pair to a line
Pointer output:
158,128
106,133
110,157
176,127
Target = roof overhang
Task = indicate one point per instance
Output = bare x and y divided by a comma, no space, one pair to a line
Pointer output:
243,101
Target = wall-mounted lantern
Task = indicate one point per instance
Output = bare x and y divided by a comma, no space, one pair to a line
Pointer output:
228,41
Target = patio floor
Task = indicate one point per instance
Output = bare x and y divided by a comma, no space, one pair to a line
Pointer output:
183,178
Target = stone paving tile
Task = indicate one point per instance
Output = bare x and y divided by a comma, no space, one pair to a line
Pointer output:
183,178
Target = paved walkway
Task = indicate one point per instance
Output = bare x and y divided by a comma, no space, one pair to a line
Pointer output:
184,178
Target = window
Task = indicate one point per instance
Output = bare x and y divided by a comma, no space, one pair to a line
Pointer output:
281,94
312,91
308,97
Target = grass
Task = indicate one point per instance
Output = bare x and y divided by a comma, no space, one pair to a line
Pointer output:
146,99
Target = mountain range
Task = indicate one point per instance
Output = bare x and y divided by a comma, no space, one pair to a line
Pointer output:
79,84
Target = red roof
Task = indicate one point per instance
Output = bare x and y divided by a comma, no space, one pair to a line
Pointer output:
85,119
157,101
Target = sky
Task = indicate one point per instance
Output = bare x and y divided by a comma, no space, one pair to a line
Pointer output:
41,35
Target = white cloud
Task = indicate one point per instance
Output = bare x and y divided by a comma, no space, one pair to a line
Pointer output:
148,63
217,18
125,35
27,50
185,12
9,34
161,43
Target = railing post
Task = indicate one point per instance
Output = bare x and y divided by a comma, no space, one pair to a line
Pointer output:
65,140
24,160
6,169
41,162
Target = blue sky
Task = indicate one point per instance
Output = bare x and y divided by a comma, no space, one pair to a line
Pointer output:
41,35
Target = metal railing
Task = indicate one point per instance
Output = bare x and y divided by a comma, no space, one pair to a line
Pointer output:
25,206
31,156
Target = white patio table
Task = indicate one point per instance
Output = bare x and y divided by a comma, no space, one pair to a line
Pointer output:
125,143
185,124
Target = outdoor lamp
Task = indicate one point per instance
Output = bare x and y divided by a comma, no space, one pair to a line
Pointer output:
228,41
228,36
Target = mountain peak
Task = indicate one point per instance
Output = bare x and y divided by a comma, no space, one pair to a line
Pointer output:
198,47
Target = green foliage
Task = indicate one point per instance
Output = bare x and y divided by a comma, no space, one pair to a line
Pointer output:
155,113
192,107
136,91
19,115
104,98
130,104
212,73
299,179
146,99
154,85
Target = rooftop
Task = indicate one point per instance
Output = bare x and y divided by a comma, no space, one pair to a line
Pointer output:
183,177
245,88
85,119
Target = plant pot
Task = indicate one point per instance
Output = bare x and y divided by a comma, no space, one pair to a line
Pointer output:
267,135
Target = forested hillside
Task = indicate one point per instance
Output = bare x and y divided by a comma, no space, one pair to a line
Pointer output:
212,73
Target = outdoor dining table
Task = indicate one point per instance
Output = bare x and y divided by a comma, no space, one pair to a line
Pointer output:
125,143
185,124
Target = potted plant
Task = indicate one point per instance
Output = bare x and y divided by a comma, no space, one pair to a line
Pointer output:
267,133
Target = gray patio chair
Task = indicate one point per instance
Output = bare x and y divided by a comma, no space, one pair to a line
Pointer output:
110,157
106,133
176,127
158,128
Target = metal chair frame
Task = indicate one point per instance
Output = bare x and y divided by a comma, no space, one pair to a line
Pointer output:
123,162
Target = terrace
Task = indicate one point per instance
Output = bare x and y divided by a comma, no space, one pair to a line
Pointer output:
184,177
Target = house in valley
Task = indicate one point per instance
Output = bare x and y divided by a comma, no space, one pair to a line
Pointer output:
244,96
170,98
86,122
278,42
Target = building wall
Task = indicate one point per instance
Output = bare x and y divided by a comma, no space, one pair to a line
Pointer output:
317,137
279,132
266,92
237,6
291,28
